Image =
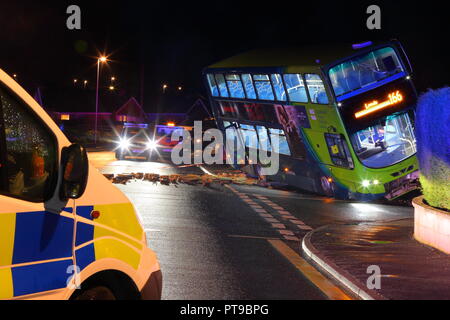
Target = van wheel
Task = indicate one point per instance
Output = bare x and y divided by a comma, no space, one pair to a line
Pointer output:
96,293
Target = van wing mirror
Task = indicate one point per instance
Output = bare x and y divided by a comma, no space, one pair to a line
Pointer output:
75,170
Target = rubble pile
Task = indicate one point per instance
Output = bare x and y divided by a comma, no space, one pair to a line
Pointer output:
190,179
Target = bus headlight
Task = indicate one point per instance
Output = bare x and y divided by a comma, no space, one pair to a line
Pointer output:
151,145
375,182
366,183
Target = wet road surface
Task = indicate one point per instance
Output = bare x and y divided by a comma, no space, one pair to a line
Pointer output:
233,241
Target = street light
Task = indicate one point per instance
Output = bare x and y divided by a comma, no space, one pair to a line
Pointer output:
164,87
180,88
85,82
101,59
111,88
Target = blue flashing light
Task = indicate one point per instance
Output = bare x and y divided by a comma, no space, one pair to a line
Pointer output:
361,45
135,125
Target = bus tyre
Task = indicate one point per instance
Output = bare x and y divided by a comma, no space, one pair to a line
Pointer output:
327,187
96,293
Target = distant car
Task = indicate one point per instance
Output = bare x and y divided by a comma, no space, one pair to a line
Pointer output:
144,141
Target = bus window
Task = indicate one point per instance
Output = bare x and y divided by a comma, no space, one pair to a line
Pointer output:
235,86
263,87
248,86
386,143
278,87
283,146
228,109
295,87
364,70
316,89
338,149
222,85
249,135
212,85
264,142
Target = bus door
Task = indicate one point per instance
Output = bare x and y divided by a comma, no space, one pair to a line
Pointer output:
237,155
293,118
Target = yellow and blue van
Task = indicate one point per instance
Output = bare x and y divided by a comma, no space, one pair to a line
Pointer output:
65,231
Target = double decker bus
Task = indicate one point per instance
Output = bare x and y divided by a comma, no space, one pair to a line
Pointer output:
344,116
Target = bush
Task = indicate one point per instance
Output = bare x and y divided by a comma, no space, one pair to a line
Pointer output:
433,146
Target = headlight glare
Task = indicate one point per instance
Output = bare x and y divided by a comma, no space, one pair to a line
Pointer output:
151,144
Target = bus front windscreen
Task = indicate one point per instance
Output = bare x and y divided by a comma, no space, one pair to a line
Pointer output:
364,70
388,142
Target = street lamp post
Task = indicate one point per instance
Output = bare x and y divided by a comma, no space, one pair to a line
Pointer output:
101,59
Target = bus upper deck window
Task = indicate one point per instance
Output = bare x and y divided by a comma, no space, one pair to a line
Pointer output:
223,90
263,87
316,89
235,86
248,86
212,85
278,86
362,71
295,87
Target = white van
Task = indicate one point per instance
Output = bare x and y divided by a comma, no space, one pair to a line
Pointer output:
65,231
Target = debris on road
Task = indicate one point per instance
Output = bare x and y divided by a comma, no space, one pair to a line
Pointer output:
190,179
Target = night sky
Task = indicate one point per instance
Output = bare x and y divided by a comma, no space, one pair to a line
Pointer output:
172,41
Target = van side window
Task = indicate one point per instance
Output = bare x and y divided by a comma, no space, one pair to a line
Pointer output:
29,161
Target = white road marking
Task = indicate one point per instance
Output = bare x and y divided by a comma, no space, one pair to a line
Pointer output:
291,238
295,221
286,232
304,227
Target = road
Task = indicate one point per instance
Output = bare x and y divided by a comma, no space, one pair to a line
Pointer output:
235,241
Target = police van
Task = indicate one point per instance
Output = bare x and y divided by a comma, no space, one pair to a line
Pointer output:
65,231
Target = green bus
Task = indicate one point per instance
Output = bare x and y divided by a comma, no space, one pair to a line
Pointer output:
344,116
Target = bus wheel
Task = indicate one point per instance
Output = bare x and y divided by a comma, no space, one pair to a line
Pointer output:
96,293
327,187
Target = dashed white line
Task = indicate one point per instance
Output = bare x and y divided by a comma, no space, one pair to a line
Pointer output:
292,238
304,227
286,232
278,226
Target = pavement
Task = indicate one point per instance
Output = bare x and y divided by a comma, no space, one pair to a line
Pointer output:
243,241
408,269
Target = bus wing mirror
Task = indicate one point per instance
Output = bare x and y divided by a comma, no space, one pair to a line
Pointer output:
75,171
